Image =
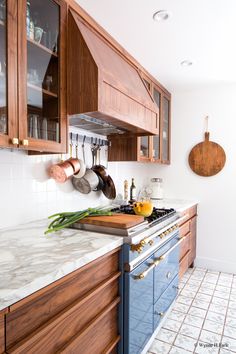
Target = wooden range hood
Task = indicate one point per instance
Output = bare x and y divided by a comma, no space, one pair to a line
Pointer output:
106,93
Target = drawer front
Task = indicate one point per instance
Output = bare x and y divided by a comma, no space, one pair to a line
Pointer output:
36,310
138,309
167,269
165,301
2,330
184,229
192,211
185,246
184,264
97,337
61,329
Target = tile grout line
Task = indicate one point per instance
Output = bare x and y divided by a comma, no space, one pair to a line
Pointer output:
226,310
207,310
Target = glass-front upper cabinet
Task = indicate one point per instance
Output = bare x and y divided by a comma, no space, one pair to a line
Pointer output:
156,138
8,59
144,147
165,129
43,79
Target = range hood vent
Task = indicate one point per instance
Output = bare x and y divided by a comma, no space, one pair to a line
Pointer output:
94,125
104,87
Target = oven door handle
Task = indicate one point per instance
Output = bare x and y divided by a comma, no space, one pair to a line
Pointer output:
157,261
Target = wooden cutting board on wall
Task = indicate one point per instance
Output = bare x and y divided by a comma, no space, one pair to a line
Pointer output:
207,158
119,221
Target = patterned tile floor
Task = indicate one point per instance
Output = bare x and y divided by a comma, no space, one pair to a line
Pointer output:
203,319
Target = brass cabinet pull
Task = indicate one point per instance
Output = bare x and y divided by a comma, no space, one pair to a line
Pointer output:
161,314
15,141
25,142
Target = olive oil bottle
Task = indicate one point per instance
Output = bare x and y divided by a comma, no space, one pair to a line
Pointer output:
132,192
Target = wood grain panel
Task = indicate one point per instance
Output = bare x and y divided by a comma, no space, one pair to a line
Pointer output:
57,332
124,107
109,87
184,263
184,246
95,26
93,339
122,148
11,90
193,241
2,330
184,229
36,310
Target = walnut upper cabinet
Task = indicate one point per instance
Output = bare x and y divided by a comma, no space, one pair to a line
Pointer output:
8,72
33,77
155,148
104,86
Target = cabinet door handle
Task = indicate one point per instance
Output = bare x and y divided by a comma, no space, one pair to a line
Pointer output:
161,314
25,142
15,141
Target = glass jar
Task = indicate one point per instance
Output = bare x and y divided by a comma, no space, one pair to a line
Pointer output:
157,188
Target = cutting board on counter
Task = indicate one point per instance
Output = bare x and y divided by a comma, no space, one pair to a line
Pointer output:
118,221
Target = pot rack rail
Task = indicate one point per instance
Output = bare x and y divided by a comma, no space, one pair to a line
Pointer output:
76,138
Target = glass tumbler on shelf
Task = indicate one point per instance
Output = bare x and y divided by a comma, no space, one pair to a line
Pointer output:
2,10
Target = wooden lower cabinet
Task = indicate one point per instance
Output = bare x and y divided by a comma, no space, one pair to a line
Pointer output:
188,246
2,330
76,314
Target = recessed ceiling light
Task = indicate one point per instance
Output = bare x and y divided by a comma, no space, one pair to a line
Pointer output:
186,63
161,15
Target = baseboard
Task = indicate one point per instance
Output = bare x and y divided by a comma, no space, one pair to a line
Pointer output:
215,264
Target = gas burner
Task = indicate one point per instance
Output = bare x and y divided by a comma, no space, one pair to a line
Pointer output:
157,215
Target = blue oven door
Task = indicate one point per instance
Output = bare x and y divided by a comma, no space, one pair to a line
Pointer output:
168,267
166,277
138,307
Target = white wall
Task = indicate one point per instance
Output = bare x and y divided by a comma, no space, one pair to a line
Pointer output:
27,194
216,242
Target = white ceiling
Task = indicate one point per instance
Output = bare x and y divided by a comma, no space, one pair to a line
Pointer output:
202,31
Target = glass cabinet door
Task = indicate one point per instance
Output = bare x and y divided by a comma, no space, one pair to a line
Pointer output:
8,73
43,61
156,138
165,129
144,147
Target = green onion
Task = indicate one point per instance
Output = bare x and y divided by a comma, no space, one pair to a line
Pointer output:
65,219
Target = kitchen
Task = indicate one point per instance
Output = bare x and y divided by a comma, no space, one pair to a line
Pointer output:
34,273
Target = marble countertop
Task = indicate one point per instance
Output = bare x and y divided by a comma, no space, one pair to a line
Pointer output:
29,260
178,204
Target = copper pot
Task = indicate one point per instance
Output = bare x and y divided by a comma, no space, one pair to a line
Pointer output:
75,164
61,171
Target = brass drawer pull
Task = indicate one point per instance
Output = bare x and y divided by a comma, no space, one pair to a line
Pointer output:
161,314
15,141
25,142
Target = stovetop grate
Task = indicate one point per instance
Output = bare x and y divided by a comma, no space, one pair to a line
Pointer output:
157,215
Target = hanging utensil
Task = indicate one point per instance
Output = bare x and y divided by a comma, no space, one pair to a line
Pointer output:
73,160
82,170
207,158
